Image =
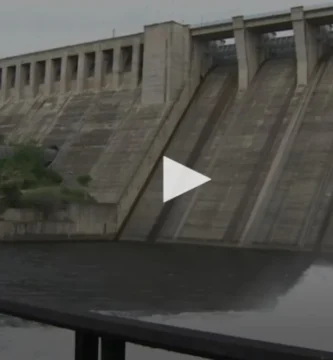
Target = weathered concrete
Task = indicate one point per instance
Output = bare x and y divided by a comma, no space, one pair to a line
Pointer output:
113,107
301,100
297,210
107,134
112,63
173,115
200,115
308,46
92,131
163,63
84,128
236,148
306,24
78,221
161,56
249,52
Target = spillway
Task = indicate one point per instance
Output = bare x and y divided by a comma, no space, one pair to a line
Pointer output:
297,212
213,97
236,155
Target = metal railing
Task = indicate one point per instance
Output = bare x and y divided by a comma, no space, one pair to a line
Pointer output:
114,332
261,15
273,47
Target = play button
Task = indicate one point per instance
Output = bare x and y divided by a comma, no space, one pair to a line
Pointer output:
179,179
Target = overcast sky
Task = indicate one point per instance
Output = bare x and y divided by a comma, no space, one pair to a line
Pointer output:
30,25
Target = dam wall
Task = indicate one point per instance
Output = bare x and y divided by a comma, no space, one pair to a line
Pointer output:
248,145
114,107
104,106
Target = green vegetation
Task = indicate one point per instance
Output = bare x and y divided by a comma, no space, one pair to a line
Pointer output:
83,180
25,182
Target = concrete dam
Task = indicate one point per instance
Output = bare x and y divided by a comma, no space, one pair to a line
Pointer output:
255,116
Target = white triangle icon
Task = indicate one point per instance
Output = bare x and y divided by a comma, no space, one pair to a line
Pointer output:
179,179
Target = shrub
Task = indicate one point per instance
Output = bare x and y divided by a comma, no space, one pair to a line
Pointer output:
84,180
26,182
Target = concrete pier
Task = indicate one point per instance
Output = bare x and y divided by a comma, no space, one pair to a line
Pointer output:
164,61
249,52
307,44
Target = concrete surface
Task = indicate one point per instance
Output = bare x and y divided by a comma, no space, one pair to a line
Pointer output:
76,221
296,213
260,129
149,207
231,157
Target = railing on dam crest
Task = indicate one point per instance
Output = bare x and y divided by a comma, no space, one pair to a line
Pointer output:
273,47
260,15
112,333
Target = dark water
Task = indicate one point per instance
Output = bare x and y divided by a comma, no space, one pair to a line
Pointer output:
274,296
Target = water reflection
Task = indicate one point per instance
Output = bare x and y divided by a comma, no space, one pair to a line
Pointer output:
275,296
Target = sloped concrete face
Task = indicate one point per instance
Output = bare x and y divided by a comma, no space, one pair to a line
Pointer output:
105,134
190,139
235,155
299,212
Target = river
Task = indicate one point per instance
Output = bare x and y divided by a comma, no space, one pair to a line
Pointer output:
274,296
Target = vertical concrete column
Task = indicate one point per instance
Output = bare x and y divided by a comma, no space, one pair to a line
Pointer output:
307,45
187,53
164,62
4,84
81,72
201,59
155,64
135,62
34,79
64,74
49,77
248,52
177,57
197,61
1,71
99,70
116,69
18,81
